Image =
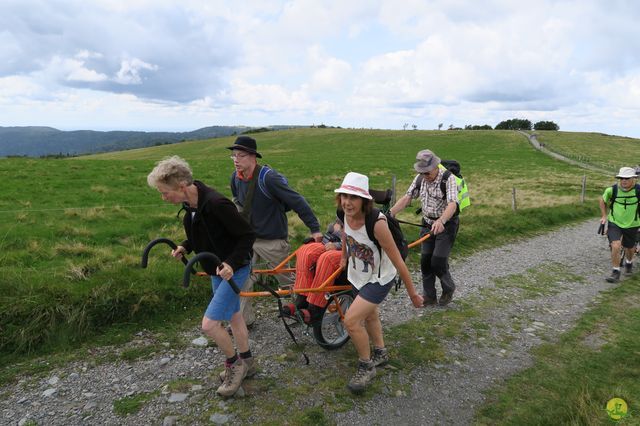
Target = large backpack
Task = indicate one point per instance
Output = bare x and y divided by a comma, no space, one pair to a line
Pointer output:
394,226
614,198
451,167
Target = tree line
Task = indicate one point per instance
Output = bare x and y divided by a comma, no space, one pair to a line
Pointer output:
512,124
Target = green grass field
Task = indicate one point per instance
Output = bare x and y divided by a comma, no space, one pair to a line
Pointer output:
72,230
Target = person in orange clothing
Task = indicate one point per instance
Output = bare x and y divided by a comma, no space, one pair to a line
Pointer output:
315,262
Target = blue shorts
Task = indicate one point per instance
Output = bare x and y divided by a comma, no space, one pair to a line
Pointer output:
374,292
225,302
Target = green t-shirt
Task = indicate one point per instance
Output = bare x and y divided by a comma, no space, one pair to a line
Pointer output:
624,209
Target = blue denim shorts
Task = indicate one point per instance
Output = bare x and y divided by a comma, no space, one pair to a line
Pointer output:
374,292
225,302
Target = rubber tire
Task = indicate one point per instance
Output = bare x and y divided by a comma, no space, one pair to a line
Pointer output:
330,332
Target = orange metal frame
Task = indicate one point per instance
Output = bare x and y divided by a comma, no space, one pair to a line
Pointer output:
324,287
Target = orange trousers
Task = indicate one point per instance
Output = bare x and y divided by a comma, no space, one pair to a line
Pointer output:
326,263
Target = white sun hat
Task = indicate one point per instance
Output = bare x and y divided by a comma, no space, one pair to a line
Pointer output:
355,184
626,173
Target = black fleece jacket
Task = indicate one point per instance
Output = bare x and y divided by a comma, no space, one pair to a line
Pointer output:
217,227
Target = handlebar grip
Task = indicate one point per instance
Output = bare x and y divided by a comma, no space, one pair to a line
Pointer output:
145,253
205,255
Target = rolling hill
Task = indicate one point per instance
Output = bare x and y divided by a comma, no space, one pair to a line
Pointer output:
35,141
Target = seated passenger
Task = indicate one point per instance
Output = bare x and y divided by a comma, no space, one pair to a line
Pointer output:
315,262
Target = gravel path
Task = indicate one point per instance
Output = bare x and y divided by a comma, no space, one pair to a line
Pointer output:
83,393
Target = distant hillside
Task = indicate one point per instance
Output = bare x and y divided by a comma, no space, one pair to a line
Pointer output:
41,141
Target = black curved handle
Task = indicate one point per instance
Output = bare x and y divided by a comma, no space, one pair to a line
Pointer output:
205,255
145,253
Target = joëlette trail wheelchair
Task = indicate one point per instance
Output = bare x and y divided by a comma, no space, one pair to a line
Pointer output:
328,331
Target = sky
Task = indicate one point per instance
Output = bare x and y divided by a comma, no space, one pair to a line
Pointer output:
157,65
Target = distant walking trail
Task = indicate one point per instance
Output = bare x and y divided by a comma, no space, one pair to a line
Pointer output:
537,145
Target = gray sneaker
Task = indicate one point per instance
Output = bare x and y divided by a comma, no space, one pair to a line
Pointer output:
614,277
628,268
366,372
251,368
380,356
233,378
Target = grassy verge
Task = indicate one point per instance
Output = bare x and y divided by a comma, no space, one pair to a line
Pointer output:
572,380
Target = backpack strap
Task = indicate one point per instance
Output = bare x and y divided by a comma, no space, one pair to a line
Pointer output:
369,223
248,199
416,188
443,183
443,188
614,195
638,201
262,184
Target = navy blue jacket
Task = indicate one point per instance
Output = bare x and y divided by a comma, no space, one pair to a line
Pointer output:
268,215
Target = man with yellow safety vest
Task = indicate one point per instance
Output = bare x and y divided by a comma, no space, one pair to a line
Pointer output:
438,191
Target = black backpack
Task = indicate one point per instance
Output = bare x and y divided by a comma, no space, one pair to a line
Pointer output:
614,197
394,226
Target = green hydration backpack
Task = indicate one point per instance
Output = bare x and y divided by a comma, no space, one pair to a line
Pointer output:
615,199
452,167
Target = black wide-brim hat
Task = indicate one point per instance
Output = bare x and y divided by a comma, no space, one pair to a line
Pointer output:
246,144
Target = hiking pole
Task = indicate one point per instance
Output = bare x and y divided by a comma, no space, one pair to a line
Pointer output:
601,229
215,260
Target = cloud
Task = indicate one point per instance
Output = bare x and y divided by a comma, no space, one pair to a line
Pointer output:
362,63
159,51
130,70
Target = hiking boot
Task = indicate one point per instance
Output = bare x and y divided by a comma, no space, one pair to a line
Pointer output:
628,268
445,298
427,301
301,301
380,357
233,377
614,277
366,372
251,369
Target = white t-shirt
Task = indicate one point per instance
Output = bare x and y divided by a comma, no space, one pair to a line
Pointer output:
364,264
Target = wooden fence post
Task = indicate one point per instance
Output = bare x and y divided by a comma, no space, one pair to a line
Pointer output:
393,190
513,199
584,188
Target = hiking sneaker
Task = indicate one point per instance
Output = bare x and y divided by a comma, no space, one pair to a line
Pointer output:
628,268
233,377
288,309
251,369
614,277
380,357
366,372
445,298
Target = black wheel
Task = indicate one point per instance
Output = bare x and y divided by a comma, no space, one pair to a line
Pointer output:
330,332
